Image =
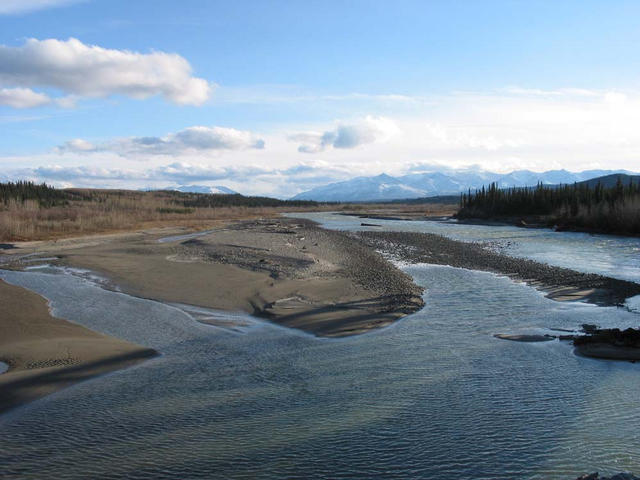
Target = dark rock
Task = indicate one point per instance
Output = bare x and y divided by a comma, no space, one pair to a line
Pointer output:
618,476
629,338
567,337
590,476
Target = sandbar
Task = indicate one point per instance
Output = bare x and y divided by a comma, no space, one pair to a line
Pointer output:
45,353
289,271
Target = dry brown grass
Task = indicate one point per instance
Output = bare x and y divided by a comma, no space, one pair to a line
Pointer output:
114,212
107,211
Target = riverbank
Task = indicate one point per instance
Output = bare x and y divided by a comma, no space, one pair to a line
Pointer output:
558,283
290,271
46,354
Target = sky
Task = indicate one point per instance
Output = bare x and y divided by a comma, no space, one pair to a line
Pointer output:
277,97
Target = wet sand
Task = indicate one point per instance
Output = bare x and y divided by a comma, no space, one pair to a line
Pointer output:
45,353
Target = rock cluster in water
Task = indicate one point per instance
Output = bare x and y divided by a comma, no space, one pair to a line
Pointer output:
612,336
618,476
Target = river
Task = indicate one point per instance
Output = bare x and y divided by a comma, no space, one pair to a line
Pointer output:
434,396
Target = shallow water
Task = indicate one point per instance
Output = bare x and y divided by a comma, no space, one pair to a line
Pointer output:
609,255
3,367
433,396
185,236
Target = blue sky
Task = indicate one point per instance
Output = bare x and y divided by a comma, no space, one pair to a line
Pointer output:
277,96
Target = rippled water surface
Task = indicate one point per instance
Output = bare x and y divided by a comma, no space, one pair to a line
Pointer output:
434,396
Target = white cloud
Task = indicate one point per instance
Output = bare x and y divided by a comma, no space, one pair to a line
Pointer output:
22,98
76,145
189,140
561,92
255,178
347,136
91,71
9,7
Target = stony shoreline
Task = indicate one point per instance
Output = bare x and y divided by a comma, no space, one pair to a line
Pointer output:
559,283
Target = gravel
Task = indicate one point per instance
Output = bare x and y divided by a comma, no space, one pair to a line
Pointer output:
436,249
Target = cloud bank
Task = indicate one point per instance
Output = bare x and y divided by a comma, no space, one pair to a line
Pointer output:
246,179
83,70
497,131
190,140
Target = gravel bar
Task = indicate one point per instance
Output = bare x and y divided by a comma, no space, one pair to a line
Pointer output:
559,283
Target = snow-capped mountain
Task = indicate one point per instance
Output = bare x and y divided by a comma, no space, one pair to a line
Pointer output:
217,189
431,184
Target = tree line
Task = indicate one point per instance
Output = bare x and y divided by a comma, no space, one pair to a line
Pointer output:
199,200
581,205
47,196
22,191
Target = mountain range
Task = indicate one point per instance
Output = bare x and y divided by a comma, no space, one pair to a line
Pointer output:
430,184
217,189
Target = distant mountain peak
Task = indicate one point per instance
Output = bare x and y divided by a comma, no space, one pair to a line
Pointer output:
384,176
216,189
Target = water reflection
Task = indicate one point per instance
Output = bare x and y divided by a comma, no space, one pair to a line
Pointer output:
433,396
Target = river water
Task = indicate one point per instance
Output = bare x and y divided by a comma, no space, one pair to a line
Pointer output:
434,396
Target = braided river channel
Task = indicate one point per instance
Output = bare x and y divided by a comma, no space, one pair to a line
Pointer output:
434,396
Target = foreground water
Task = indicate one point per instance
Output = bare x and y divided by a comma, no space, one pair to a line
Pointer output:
434,396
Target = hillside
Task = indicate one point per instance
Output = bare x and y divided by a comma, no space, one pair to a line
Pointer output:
609,181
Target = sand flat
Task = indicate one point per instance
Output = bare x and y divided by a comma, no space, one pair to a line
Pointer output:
289,271
45,353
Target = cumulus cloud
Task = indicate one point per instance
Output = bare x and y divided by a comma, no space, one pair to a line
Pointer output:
192,139
9,7
22,98
76,145
369,130
90,71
